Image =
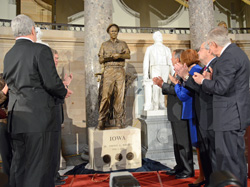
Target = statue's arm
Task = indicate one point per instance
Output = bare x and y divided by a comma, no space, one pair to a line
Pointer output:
146,65
169,57
104,58
100,54
124,54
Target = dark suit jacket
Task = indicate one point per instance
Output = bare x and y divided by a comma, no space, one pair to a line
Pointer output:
59,111
203,102
174,105
230,89
29,71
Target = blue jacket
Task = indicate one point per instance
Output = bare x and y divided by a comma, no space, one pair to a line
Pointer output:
186,96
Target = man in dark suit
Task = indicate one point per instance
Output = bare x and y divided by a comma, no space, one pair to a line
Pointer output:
180,129
229,84
204,112
5,144
59,180
33,82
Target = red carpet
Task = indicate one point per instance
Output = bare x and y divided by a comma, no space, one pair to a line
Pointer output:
152,179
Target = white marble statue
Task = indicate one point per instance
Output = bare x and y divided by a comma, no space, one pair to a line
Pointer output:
39,35
157,62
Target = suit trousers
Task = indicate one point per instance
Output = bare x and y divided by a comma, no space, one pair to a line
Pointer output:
34,160
206,144
5,148
230,153
182,147
58,155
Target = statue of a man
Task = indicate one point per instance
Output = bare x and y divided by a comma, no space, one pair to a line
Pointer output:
157,62
113,54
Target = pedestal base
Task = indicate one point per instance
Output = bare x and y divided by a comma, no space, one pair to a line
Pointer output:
157,140
114,149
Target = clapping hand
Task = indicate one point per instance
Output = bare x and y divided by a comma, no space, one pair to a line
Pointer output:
158,81
173,79
198,78
181,70
67,79
208,75
69,92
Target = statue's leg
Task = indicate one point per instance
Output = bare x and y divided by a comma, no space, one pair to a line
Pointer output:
119,91
156,90
164,74
108,86
148,95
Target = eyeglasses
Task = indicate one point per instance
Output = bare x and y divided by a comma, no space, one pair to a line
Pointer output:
202,48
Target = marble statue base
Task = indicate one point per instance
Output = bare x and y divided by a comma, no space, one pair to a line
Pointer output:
157,139
114,149
153,113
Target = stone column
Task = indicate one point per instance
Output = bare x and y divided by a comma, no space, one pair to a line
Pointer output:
97,17
201,19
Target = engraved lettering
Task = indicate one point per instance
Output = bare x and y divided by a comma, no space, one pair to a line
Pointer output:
115,138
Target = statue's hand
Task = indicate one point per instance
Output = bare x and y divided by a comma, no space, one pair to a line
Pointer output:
116,56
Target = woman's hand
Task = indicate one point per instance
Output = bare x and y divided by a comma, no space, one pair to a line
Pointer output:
173,79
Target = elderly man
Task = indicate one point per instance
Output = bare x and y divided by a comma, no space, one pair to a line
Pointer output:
180,129
33,82
204,113
60,117
229,84
113,54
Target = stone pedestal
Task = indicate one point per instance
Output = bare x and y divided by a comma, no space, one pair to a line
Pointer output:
157,140
114,149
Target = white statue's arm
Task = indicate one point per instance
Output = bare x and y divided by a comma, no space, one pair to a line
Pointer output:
169,54
169,61
146,64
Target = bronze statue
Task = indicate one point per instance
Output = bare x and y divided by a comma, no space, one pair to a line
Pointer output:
112,89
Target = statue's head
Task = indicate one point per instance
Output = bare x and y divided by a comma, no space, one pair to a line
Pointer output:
157,36
113,30
39,33
222,24
113,25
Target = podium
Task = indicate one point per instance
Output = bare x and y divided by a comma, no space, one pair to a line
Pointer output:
114,149
157,138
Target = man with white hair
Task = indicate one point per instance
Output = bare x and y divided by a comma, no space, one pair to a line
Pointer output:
33,82
229,84
157,62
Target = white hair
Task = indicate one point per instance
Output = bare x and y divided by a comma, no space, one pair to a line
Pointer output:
22,25
219,35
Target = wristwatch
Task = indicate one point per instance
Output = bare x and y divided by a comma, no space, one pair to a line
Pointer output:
186,77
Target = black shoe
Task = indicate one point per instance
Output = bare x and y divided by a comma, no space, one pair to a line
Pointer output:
183,176
61,178
58,182
171,172
197,185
